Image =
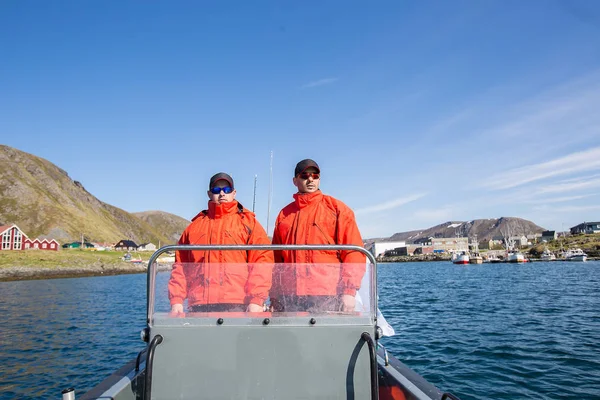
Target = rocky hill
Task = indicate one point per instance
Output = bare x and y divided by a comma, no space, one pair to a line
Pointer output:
170,224
484,229
45,202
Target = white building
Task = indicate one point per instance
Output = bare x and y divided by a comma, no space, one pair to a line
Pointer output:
147,247
378,248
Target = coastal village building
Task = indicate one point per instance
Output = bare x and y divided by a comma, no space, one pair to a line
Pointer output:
518,240
586,227
41,244
126,245
78,245
448,245
378,249
399,251
147,247
548,236
13,238
533,238
426,241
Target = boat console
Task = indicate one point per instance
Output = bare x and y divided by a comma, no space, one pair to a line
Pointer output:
301,350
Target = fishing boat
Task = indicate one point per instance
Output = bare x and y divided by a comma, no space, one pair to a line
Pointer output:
515,256
460,257
493,258
475,257
547,255
575,255
305,354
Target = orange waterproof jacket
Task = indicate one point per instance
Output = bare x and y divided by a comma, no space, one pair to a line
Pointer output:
210,277
315,218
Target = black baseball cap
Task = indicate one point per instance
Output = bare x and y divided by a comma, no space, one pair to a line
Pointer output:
304,165
221,176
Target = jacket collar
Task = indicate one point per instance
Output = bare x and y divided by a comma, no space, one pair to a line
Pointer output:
307,199
216,210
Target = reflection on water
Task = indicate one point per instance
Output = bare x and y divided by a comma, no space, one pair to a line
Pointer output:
482,331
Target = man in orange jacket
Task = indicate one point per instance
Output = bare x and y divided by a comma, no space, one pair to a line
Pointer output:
228,280
331,280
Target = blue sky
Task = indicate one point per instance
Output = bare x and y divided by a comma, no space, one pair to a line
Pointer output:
418,112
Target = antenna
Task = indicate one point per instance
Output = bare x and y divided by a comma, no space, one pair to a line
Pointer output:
254,197
270,191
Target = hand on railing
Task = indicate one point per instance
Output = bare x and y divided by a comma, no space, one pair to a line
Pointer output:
254,308
176,310
348,303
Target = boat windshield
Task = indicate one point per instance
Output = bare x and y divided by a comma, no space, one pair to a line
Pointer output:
241,293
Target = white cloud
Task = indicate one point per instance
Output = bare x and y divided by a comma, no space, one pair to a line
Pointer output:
583,161
571,186
320,82
557,199
568,209
389,204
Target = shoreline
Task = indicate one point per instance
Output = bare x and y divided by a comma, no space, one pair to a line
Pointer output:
25,273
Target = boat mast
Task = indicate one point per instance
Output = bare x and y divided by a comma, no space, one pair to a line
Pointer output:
270,191
254,196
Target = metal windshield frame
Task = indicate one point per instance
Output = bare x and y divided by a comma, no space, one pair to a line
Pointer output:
151,275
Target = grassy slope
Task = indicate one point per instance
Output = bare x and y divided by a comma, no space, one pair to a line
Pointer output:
588,243
62,258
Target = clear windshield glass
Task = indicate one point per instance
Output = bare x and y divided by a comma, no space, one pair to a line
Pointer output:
246,292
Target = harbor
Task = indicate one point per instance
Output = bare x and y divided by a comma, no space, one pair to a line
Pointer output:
483,352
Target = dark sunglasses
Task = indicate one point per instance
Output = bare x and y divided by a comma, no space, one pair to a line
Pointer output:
217,190
306,175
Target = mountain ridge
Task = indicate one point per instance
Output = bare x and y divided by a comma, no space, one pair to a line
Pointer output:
44,201
483,229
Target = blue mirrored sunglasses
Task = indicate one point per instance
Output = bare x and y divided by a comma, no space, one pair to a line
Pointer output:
217,190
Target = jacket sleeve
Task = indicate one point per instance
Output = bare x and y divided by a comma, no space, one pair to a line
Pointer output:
277,239
260,267
178,281
277,268
354,263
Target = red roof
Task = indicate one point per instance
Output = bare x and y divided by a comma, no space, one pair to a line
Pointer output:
4,228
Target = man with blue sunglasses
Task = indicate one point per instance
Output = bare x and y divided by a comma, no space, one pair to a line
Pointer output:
215,281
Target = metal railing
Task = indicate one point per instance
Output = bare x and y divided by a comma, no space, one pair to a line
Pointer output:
152,263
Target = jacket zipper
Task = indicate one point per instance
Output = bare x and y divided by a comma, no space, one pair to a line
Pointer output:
323,232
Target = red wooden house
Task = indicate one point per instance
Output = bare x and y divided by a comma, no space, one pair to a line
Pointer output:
12,237
43,244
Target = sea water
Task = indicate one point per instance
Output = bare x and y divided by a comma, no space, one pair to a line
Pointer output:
489,331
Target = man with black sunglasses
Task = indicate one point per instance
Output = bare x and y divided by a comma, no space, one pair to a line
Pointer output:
222,280
328,280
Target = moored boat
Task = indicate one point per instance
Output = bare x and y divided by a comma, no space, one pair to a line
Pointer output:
515,257
547,255
301,352
575,255
460,257
493,258
475,259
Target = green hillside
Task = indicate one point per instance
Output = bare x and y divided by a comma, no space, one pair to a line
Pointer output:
44,201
